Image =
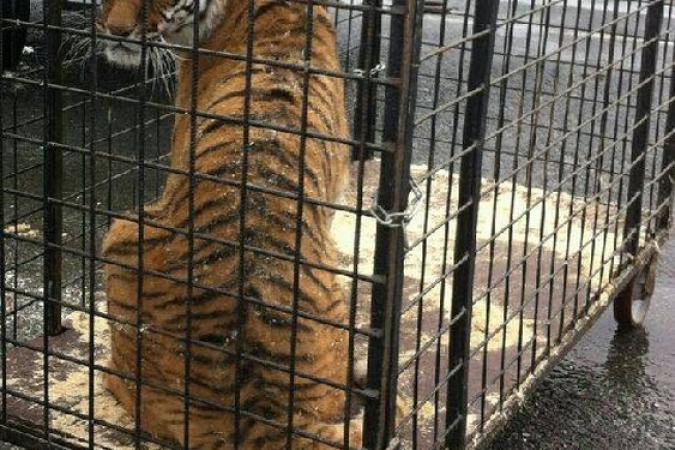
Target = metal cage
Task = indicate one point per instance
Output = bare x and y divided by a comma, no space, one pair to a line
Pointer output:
512,175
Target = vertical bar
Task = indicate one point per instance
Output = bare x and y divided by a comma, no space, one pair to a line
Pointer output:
482,50
3,268
308,49
369,56
53,172
139,196
463,48
393,190
52,189
628,107
668,162
359,153
91,232
640,140
600,170
192,185
243,200
663,77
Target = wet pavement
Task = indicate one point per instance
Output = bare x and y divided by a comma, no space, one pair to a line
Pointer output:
615,390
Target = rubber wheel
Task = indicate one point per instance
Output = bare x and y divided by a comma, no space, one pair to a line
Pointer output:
632,304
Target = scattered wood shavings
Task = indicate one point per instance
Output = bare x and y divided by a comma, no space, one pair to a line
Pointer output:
424,266
22,229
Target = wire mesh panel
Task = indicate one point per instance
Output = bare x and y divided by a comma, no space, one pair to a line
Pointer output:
96,158
189,259
535,120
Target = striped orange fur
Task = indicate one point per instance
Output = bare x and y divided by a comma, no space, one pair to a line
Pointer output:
272,163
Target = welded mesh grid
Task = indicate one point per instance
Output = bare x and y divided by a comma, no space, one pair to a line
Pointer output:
107,132
556,162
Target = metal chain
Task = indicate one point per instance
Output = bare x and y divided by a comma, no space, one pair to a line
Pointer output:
400,218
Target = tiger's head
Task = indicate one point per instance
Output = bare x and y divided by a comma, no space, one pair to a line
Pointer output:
171,21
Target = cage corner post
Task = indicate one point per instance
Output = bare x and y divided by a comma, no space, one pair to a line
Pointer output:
392,198
666,193
482,51
53,169
625,312
369,58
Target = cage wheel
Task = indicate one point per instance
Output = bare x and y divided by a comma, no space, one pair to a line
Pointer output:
632,303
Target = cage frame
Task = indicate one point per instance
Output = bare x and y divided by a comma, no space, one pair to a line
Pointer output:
400,86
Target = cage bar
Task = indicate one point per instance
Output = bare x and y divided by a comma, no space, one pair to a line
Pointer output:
53,172
392,198
643,114
665,195
482,50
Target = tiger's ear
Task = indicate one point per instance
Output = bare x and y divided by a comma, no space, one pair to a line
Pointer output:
122,16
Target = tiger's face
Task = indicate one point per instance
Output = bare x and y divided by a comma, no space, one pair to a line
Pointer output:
171,21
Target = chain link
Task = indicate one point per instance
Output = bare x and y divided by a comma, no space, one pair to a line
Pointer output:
401,218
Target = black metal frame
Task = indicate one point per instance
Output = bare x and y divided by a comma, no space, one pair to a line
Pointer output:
478,118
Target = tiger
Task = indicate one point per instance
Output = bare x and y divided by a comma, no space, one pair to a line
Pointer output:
225,284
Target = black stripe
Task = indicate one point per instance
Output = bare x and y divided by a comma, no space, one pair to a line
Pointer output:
219,389
278,180
209,361
199,245
319,41
121,305
179,319
282,153
239,73
270,7
270,243
238,18
324,92
211,203
232,167
214,339
334,304
221,254
281,282
203,298
218,146
273,318
310,273
263,407
228,96
273,94
224,252
215,125
326,121
284,219
170,200
124,248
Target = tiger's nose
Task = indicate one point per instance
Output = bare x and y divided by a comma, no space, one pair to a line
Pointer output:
120,29
121,21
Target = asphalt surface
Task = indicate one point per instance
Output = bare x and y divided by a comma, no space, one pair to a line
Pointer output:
615,390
